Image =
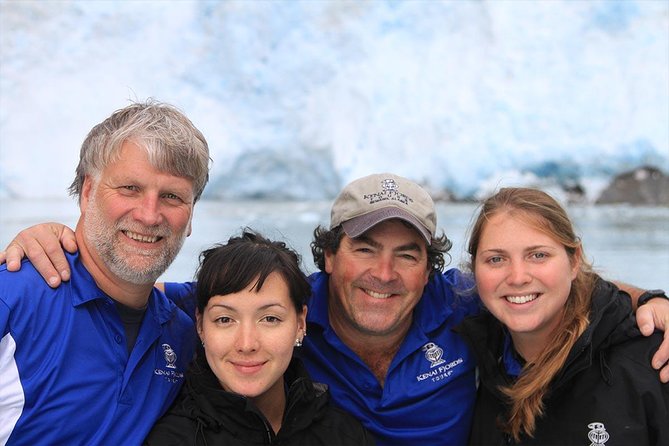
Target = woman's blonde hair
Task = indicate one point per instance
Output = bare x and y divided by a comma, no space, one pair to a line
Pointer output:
544,213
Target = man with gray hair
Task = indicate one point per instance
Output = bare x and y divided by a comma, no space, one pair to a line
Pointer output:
98,360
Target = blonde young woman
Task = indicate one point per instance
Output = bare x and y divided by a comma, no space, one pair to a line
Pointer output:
561,360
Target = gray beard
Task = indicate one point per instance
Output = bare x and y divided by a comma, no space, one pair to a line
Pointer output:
102,237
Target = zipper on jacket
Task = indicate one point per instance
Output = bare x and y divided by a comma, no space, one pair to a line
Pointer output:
268,431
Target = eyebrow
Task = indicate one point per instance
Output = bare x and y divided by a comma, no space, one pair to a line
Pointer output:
129,178
532,248
529,248
411,246
493,250
263,307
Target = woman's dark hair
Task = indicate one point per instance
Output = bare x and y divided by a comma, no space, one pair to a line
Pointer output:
329,240
246,261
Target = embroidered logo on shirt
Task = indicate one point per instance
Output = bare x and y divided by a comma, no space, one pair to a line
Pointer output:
439,370
170,372
433,353
170,356
597,435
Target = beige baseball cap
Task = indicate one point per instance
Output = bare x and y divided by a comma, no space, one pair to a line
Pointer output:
370,200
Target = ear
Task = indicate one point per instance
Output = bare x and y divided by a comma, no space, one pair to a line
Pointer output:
189,230
302,321
198,324
86,191
576,261
329,261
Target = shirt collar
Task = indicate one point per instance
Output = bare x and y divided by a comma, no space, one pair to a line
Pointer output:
84,289
510,357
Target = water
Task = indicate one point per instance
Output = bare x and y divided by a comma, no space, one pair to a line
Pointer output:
625,243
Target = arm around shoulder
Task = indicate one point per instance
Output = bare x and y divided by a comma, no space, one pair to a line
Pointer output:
44,245
652,313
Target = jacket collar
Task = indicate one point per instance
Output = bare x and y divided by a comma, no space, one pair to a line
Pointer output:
214,408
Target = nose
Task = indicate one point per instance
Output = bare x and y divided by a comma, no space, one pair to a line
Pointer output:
247,338
384,268
148,210
518,274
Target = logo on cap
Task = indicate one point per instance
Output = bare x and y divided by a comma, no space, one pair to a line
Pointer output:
390,191
389,184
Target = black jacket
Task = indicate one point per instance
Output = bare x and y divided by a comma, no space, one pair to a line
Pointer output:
607,393
205,414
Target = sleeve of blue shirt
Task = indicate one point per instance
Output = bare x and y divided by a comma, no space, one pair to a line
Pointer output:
183,296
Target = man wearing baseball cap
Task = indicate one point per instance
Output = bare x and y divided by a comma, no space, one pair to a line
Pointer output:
381,314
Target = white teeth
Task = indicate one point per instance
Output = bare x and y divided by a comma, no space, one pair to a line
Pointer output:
141,238
378,295
521,299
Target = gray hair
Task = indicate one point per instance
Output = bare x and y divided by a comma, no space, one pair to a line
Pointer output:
170,139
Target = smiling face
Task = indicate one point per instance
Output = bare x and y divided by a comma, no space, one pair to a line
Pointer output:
249,338
135,218
376,280
523,277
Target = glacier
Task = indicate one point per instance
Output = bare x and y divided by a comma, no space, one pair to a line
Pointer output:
298,98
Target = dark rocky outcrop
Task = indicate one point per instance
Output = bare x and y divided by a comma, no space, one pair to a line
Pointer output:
642,186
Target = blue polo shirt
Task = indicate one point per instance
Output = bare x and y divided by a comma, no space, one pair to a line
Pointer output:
430,388
65,373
